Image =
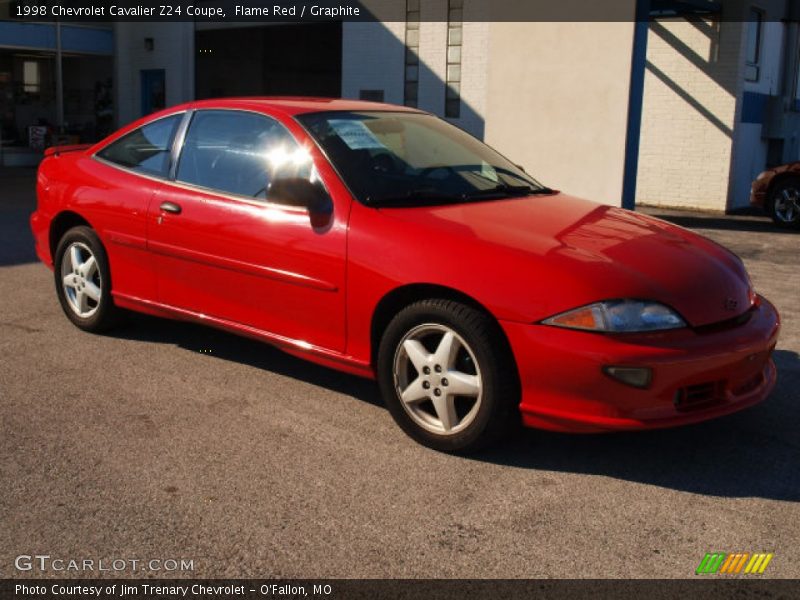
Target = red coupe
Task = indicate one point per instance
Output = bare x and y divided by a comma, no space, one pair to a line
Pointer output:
384,242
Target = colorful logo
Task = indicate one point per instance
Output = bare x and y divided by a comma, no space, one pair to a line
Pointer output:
735,563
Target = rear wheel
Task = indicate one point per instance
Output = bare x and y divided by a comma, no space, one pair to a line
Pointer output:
447,376
83,281
784,202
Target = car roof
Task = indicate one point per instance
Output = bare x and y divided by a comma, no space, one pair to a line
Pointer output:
287,105
295,105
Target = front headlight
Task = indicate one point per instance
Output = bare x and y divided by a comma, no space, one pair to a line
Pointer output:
619,316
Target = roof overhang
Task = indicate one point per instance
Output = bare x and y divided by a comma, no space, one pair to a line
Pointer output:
684,8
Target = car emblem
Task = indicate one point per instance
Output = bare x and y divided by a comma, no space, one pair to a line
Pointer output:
731,303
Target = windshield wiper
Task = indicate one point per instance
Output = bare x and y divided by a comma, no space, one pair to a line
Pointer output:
433,196
504,190
415,197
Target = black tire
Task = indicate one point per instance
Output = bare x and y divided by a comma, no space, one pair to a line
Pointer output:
792,185
105,315
497,409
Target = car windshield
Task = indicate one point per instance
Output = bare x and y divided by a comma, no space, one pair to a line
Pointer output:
407,158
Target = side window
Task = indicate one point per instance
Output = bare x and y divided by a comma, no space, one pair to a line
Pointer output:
755,25
146,149
240,153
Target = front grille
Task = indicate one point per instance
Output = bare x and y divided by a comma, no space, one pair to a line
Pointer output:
700,395
727,323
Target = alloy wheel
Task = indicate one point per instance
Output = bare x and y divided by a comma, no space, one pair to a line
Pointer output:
80,279
437,379
787,205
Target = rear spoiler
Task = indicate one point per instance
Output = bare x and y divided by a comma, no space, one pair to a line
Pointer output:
56,150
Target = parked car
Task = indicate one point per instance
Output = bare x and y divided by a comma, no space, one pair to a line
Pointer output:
777,191
387,243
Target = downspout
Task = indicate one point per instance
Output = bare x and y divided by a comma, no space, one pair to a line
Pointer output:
635,103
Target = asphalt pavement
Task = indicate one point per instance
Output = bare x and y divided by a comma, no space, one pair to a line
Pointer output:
167,440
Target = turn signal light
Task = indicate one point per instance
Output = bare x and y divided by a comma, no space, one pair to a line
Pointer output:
589,317
638,377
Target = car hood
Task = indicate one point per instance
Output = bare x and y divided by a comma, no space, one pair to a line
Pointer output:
582,252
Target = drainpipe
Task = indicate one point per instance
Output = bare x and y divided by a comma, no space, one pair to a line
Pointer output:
635,101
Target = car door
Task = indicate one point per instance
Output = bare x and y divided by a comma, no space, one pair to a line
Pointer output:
224,251
121,180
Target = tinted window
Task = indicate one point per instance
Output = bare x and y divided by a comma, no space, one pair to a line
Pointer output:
239,153
146,149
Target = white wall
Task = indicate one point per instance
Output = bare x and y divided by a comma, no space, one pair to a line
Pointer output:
557,102
749,144
692,83
173,51
373,58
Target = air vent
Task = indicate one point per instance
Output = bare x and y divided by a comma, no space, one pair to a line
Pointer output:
698,396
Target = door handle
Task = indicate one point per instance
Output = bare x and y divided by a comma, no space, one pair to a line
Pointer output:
171,207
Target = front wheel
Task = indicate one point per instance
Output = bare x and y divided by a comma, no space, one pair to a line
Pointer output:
83,280
447,376
784,202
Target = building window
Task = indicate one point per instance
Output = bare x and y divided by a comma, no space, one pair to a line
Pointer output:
371,95
411,78
455,30
31,77
796,104
755,22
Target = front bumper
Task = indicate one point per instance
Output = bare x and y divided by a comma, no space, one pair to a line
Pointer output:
758,193
697,374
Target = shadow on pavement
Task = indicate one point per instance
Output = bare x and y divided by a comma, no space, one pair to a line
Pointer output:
741,455
755,453
17,202
16,239
227,346
720,222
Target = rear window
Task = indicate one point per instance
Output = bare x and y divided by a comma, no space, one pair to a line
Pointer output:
146,149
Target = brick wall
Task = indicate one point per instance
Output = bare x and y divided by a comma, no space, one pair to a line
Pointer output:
373,58
692,83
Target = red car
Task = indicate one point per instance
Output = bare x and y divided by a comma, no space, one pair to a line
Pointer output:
382,241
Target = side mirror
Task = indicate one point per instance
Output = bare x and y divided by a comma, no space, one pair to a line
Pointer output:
297,191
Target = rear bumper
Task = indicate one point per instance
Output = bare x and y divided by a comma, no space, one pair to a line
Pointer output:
696,376
40,227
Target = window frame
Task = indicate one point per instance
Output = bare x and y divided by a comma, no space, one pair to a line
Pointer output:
754,65
32,87
453,85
